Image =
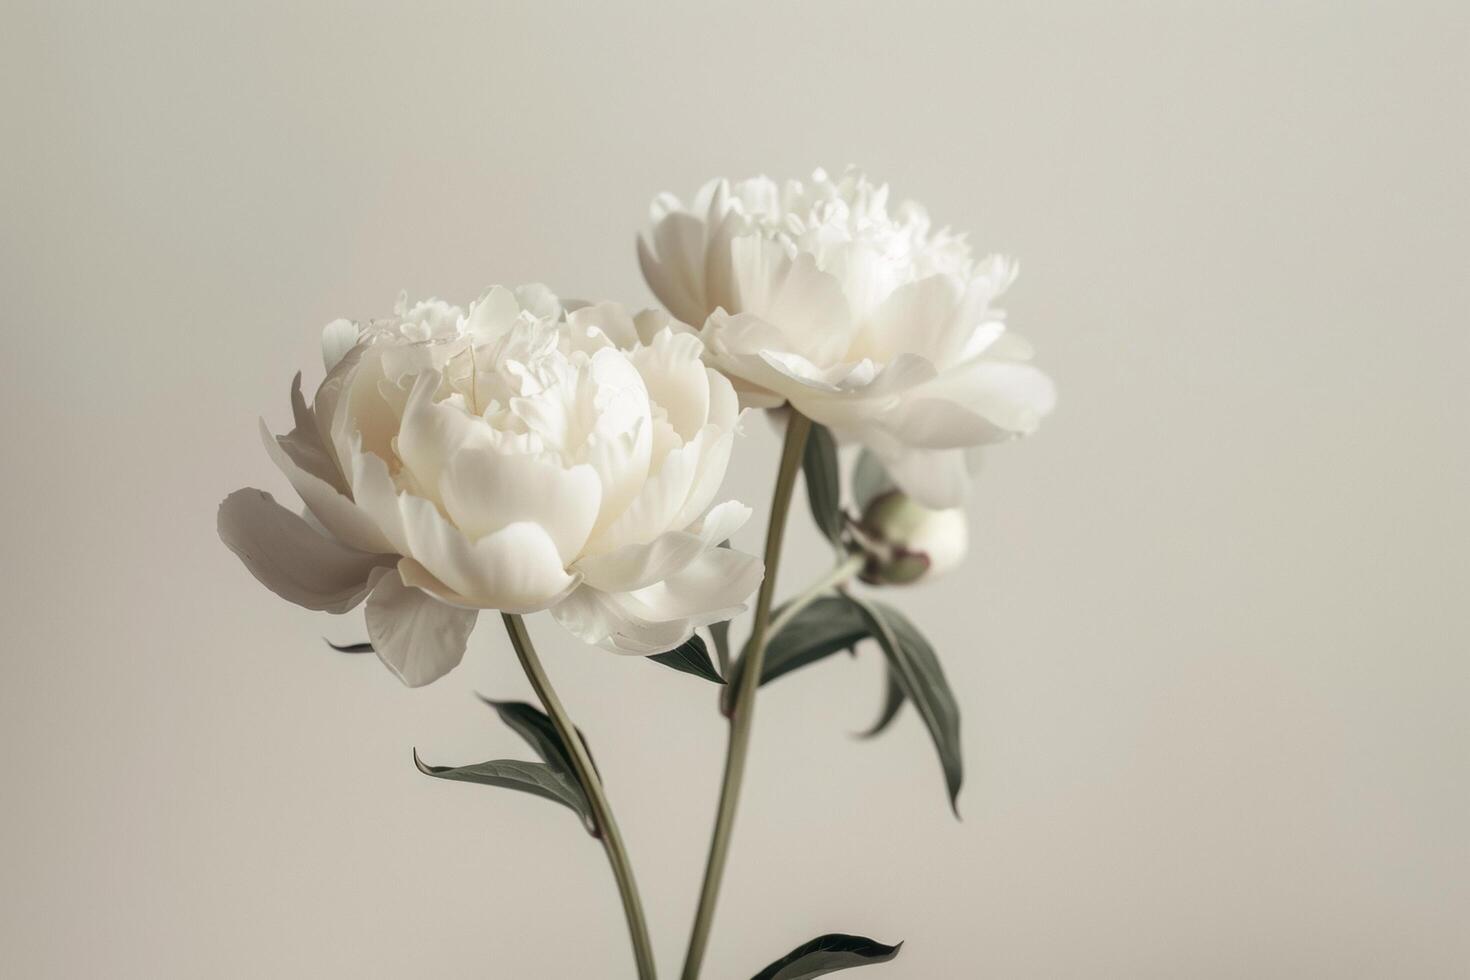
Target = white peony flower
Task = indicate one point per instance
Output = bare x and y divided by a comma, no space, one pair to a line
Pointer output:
508,457
866,320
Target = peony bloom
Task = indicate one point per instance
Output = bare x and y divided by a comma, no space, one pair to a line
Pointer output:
510,456
865,319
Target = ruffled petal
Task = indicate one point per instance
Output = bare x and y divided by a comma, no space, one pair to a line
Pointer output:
418,637
595,618
677,380
610,320
336,511
289,557
658,502
709,474
432,432
484,491
921,317
981,402
515,569
803,303
636,566
709,589
620,445
659,617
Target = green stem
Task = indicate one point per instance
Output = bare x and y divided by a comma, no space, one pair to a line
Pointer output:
606,826
743,707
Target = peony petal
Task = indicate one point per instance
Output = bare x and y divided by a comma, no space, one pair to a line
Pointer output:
338,337
484,491
723,520
648,324
981,402
611,320
336,511
711,588
835,379
709,474
594,617
305,445
803,303
758,267
620,446
432,432
357,410
936,478
537,299
418,637
735,345
677,380
921,317
636,566
658,502
674,266
290,558
720,289
515,569
492,315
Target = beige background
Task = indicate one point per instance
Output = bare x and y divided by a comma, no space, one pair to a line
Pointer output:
1210,643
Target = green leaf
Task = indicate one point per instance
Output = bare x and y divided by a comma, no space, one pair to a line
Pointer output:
821,629
893,699
536,778
827,625
691,657
532,724
823,482
351,647
917,670
554,778
828,954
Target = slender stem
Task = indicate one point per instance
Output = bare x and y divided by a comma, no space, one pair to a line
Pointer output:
742,711
606,826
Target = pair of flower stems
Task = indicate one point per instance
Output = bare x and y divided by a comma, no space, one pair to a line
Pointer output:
742,714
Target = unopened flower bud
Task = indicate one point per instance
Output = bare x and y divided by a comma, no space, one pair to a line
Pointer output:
906,543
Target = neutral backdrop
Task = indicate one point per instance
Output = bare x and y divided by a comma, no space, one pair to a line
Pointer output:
1210,642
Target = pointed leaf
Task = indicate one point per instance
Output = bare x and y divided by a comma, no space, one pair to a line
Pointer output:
917,669
535,778
532,724
827,625
828,954
821,629
823,482
351,647
893,699
690,657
